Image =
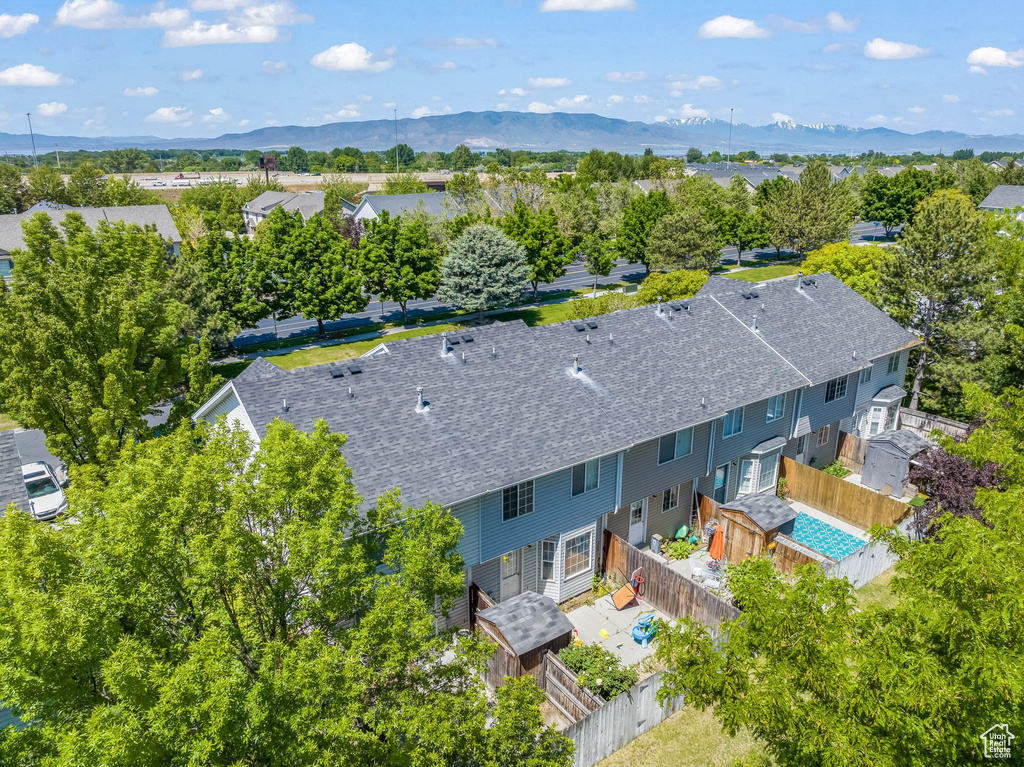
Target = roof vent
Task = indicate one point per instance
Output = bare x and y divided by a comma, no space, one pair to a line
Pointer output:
467,339
588,338
350,394
703,403
284,406
354,370
799,281
453,341
676,307
579,328
337,372
686,305
746,294
660,310
611,340
753,326
444,345
575,364
754,294
494,352
463,358
592,325
421,404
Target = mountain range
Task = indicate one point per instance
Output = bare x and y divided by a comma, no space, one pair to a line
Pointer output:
548,132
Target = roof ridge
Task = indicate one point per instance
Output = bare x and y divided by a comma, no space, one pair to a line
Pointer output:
761,339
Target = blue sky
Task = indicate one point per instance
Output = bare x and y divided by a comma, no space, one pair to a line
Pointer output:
206,67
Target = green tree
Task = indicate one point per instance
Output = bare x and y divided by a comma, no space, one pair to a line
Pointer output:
823,208
462,158
235,604
693,154
405,155
296,159
90,337
484,269
934,283
465,195
403,183
975,178
638,221
45,184
892,201
14,195
597,255
669,286
739,223
858,266
126,160
85,185
548,253
685,239
118,192
400,259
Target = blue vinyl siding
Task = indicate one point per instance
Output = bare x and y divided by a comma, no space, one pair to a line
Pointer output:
468,513
755,431
554,511
815,412
643,477
879,378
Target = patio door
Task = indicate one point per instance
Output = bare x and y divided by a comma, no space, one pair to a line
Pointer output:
511,574
638,522
801,449
721,483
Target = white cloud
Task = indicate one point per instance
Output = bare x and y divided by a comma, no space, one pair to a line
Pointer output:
52,108
444,66
916,110
838,47
419,112
172,115
204,33
976,70
190,75
200,6
517,92
688,110
107,14
462,43
887,50
16,25
730,26
587,5
837,23
615,98
801,27
347,112
642,99
549,82
388,105
242,123
271,14
660,118
996,57
1001,113
31,76
148,90
694,83
625,77
781,117
271,67
877,120
574,102
950,98
350,57
216,115
539,107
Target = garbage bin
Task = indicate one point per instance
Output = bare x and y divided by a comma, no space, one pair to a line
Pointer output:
656,540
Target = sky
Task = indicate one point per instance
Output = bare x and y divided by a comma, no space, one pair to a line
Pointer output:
207,67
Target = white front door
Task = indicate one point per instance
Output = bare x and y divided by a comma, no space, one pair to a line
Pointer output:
511,574
637,522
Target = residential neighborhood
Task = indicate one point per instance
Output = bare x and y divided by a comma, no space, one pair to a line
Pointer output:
429,393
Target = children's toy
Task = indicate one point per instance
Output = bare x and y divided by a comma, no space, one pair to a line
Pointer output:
645,630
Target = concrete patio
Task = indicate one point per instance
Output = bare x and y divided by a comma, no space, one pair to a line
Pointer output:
590,620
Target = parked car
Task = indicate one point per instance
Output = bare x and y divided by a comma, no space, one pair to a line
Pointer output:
45,495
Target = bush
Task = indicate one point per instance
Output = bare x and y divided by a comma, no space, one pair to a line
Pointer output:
598,669
585,308
783,487
671,286
679,549
837,469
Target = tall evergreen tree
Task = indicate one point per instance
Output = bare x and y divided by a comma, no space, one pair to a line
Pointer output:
484,269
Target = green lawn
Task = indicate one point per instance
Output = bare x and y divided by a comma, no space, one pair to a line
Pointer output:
878,592
321,354
760,273
688,738
6,424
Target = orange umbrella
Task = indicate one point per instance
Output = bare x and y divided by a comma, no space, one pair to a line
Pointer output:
717,544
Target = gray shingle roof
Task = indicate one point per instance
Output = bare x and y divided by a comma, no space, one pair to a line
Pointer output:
907,441
431,203
892,393
765,510
143,215
12,484
1003,197
308,203
528,621
825,330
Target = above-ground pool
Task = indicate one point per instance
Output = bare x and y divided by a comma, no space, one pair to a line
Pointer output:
823,537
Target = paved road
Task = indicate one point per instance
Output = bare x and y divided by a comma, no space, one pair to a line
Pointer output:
576,277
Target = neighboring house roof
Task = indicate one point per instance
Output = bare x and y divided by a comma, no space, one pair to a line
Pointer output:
308,203
518,413
907,441
12,483
765,510
892,393
43,206
431,203
657,184
143,215
824,329
1003,197
527,621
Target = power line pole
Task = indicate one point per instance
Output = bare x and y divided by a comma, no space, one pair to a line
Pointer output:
57,148
35,160
398,164
728,160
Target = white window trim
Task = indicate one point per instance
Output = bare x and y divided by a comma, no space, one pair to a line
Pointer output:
836,380
563,546
743,414
584,491
668,493
827,428
782,413
865,375
775,478
892,364
755,468
554,561
519,514
675,437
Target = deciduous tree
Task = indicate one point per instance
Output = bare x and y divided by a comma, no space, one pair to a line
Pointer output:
400,259
638,221
858,266
685,239
548,253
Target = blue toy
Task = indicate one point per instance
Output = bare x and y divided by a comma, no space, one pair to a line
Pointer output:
645,630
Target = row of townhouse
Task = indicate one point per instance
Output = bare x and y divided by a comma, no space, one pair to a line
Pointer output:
538,439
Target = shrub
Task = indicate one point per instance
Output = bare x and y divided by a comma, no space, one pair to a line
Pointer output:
783,487
679,549
682,283
837,469
598,669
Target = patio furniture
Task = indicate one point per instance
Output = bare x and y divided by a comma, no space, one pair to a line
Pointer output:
624,597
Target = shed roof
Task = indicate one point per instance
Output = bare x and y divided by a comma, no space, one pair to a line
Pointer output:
907,441
765,510
12,483
1004,196
527,621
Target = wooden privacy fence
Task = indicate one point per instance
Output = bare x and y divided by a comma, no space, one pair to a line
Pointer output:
789,554
852,451
668,591
564,692
923,424
844,500
617,722
707,508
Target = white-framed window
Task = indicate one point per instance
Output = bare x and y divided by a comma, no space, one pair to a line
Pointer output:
547,559
776,408
586,477
768,472
746,477
823,434
835,389
801,444
733,423
577,554
877,420
516,500
675,445
670,499
893,364
865,375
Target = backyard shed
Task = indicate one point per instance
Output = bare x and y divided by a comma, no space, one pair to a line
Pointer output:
887,460
751,523
524,627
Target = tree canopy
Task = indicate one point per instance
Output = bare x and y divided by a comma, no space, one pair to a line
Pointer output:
484,269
